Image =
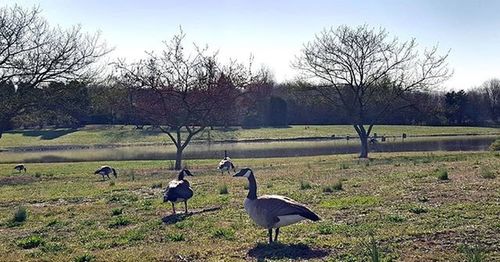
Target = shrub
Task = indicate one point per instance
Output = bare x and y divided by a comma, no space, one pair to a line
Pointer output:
156,185
116,211
223,190
20,215
53,222
84,258
171,165
344,166
396,218
52,247
119,221
372,249
472,253
423,199
442,174
225,233
327,229
487,173
418,210
30,242
305,185
176,237
337,186
184,224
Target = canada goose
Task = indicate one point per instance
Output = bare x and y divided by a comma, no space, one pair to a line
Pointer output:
20,168
105,171
178,190
373,141
272,211
226,164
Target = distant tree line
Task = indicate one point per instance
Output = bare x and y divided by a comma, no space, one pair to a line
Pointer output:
75,104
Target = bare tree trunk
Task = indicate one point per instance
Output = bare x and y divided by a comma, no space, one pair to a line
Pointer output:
363,137
364,146
2,128
178,158
179,144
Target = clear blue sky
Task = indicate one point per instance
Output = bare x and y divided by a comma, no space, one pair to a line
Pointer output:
275,30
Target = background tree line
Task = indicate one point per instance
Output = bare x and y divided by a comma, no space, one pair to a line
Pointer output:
75,104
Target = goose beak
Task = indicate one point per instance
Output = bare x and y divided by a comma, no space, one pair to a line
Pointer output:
237,174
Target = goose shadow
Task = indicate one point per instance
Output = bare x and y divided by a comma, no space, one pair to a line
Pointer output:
174,218
285,251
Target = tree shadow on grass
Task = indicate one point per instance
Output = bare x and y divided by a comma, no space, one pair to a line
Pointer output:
46,134
174,218
285,251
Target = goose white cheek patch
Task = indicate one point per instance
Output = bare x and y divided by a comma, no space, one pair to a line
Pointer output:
247,174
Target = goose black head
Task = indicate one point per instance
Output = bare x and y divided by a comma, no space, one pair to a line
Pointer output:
184,172
245,172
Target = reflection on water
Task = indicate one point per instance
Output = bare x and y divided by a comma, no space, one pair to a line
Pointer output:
250,150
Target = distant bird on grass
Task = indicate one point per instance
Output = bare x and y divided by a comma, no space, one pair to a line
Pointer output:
226,164
105,171
272,211
20,168
179,190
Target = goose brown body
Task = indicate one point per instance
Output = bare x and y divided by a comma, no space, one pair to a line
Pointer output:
273,211
179,190
105,171
20,168
226,164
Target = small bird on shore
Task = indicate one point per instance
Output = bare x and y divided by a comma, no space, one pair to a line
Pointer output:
179,190
105,171
272,211
20,167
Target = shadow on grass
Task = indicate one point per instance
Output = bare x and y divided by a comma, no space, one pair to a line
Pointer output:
48,159
285,251
46,134
174,218
16,179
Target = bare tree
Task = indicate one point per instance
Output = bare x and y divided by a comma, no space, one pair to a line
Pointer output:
491,96
366,74
183,93
32,54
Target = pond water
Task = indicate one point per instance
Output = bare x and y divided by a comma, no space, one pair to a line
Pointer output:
247,150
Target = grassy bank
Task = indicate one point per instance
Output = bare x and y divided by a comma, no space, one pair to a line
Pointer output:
401,198
92,135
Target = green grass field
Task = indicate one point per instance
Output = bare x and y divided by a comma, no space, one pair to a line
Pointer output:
129,135
396,197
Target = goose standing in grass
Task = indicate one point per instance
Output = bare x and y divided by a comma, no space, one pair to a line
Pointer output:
226,164
179,190
20,168
105,171
272,211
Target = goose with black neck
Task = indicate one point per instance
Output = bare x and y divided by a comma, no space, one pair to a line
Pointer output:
272,211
